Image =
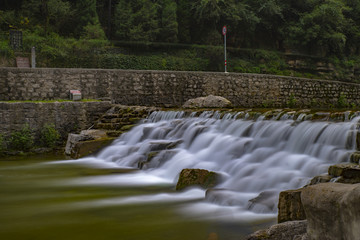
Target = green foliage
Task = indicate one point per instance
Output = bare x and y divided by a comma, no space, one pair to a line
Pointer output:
169,26
136,20
93,31
155,62
87,15
68,33
323,28
5,49
2,144
342,101
292,101
21,140
49,136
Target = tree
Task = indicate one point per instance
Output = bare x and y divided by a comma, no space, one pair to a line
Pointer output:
322,30
207,15
59,14
123,19
136,20
269,28
183,15
85,15
169,25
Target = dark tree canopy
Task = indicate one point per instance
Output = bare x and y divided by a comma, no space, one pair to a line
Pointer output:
317,27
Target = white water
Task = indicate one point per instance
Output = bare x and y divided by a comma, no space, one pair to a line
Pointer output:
255,158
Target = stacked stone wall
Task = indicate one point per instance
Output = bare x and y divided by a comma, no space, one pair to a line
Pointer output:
66,116
172,89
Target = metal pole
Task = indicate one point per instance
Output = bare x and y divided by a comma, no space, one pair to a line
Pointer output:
33,57
225,51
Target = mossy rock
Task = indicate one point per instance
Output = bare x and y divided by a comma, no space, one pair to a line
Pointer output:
134,119
320,179
84,148
197,177
127,127
114,133
355,157
345,170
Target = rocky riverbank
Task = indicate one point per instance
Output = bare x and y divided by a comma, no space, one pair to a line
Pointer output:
326,209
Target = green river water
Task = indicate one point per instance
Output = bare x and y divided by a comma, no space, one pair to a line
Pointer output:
34,204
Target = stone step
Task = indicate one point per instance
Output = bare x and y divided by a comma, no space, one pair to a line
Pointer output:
107,126
114,133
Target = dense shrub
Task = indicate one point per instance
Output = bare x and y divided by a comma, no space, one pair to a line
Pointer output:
22,140
49,136
2,144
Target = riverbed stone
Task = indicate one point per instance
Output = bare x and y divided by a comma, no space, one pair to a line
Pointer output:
197,177
210,101
332,211
292,230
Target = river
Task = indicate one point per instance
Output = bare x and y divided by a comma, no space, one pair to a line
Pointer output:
107,197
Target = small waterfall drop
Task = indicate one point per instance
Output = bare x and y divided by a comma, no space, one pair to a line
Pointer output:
256,158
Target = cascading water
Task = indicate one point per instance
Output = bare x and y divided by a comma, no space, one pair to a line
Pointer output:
255,158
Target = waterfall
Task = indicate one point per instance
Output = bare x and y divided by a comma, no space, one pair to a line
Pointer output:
255,158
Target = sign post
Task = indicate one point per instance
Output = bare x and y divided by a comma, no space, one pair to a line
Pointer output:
33,58
224,30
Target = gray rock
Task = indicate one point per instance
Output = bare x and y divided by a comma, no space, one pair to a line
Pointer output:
292,230
73,139
332,211
72,144
94,133
207,102
264,202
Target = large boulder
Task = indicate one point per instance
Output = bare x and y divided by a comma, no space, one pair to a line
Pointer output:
85,143
290,206
197,177
293,230
210,101
332,211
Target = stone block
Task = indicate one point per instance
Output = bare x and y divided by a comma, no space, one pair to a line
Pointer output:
290,206
345,170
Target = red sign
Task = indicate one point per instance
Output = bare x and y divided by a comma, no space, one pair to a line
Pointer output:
22,62
75,91
224,30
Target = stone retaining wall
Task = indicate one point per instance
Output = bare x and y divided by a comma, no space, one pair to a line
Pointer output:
172,89
66,116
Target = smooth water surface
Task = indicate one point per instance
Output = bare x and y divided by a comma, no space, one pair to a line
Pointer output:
42,198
